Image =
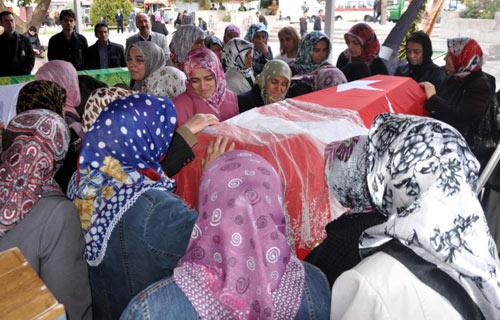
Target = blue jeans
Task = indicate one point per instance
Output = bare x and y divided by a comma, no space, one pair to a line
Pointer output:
145,246
165,300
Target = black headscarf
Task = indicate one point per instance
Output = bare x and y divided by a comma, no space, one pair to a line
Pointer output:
423,39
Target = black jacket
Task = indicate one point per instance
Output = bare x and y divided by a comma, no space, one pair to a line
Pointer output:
16,55
159,27
250,99
71,50
428,72
116,56
376,67
35,41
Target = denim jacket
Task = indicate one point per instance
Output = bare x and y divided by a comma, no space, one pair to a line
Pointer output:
165,300
144,247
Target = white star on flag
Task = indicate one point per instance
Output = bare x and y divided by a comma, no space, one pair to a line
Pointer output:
358,84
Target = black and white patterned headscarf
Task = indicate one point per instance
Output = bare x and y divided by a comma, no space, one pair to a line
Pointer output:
421,176
235,51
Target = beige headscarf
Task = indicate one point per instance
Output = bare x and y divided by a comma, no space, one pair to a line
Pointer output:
273,68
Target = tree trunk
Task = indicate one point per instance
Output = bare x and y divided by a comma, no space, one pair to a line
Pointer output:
383,15
36,18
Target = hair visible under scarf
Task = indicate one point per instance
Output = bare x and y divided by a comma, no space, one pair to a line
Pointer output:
423,39
367,38
36,144
119,161
235,52
421,175
323,77
205,58
238,264
466,55
165,82
41,94
98,100
303,64
182,42
64,74
254,29
153,56
231,29
273,68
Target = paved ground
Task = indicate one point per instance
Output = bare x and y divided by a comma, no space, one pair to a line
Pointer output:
439,43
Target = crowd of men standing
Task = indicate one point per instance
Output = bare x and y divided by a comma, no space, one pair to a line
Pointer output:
18,55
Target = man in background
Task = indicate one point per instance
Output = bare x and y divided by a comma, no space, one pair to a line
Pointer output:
146,34
16,54
104,54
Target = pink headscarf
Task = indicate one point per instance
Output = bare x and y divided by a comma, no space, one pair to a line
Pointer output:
64,74
206,59
238,263
231,29
367,38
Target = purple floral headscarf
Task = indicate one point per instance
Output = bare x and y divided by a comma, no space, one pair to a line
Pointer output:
238,264
231,29
206,59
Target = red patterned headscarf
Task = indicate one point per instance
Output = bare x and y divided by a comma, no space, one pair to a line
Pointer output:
368,40
466,55
36,142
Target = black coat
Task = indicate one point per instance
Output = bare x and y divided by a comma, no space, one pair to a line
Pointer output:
159,27
462,103
16,55
71,50
429,72
116,56
376,67
250,99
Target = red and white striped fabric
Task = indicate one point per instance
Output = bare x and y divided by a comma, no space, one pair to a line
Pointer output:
292,136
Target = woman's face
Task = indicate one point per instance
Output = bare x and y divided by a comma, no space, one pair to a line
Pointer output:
354,46
217,50
198,44
276,87
232,34
319,52
203,82
259,37
135,64
249,59
450,68
286,43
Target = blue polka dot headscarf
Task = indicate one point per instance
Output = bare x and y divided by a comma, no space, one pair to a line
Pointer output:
119,161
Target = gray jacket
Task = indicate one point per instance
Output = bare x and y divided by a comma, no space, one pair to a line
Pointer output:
157,38
51,239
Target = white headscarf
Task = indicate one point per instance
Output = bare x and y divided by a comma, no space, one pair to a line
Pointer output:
166,82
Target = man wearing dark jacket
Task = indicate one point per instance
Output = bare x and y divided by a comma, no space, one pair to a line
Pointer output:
420,66
104,53
68,45
16,53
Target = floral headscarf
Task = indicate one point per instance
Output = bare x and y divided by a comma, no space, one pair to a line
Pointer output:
119,161
235,52
345,171
182,42
273,68
36,144
323,77
206,59
41,94
165,82
154,58
254,29
368,40
238,263
231,29
64,74
421,175
98,100
303,64
466,55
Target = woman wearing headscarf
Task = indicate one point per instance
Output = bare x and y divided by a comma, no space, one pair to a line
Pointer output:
206,88
433,257
420,66
262,53
323,77
271,86
239,264
231,31
313,53
143,58
135,228
165,82
41,94
215,44
185,38
466,98
180,151
64,74
238,56
362,46
35,216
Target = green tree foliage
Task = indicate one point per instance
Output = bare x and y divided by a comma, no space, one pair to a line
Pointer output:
481,9
107,10
205,4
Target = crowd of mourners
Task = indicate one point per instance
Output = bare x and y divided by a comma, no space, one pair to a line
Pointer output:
86,188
